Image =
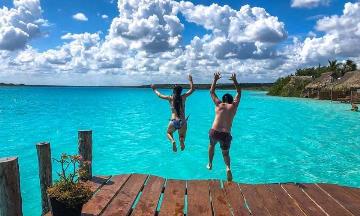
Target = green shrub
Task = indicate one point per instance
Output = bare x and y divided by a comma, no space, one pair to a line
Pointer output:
69,189
277,88
290,86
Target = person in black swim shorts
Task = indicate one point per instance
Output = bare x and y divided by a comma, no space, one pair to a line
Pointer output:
220,131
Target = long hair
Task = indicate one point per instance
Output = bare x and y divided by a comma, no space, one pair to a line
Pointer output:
177,99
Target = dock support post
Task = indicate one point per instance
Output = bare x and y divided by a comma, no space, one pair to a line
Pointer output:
45,173
85,151
10,194
331,95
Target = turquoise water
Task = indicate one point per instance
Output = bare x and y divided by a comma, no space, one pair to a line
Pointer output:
275,139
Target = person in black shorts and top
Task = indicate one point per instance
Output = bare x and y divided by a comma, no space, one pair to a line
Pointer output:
178,121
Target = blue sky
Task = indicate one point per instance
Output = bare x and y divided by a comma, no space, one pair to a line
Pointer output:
59,14
292,34
298,21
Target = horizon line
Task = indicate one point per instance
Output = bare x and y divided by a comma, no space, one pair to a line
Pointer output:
128,86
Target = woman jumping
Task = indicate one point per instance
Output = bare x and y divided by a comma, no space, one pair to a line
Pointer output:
177,105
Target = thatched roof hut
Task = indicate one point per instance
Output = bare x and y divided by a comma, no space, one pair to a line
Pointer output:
350,81
321,82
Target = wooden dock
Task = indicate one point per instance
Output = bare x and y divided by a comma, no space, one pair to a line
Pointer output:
143,195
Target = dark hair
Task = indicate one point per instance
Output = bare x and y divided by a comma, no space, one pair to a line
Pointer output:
227,98
177,99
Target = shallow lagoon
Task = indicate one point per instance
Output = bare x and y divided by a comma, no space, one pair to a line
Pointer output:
275,139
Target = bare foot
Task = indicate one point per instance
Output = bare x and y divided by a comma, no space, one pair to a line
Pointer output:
182,146
209,166
174,146
229,175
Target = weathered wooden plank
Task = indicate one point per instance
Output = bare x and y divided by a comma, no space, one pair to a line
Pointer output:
102,198
353,191
218,199
235,199
123,201
289,205
357,190
198,198
149,197
254,200
96,182
350,202
85,151
271,203
45,173
326,202
304,202
10,193
173,201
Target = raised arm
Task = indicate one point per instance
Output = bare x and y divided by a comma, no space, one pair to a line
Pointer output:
165,97
238,89
192,88
214,97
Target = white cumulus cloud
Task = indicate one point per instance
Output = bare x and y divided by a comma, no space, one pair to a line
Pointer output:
341,34
144,41
148,25
20,24
309,3
80,17
246,33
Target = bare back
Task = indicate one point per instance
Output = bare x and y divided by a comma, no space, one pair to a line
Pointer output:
224,116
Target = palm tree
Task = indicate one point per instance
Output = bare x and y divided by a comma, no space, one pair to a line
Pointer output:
349,66
334,67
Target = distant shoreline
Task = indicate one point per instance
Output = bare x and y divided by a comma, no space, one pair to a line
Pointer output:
11,84
249,86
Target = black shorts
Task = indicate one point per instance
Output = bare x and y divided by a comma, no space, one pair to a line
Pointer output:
223,137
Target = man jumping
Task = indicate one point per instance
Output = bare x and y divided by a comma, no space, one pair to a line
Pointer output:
225,111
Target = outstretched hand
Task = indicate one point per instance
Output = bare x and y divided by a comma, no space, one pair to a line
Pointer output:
233,77
217,76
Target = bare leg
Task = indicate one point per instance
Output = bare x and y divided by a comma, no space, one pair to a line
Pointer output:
182,135
170,136
226,157
182,143
211,156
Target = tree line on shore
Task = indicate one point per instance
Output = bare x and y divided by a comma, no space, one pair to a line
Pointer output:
10,84
288,86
